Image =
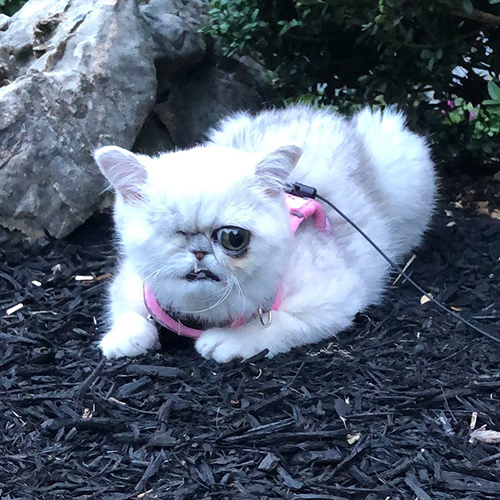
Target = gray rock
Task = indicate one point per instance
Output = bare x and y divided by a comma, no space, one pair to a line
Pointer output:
195,105
196,87
188,107
174,27
4,22
77,74
153,138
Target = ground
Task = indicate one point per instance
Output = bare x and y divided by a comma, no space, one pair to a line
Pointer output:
385,411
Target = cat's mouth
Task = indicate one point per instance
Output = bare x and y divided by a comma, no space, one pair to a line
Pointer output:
202,274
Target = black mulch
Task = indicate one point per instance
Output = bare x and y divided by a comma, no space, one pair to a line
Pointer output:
384,412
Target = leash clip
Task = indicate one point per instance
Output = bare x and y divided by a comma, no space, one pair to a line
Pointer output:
301,190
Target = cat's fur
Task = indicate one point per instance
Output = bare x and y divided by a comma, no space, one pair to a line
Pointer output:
372,167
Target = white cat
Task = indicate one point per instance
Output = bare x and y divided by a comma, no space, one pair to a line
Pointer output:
208,232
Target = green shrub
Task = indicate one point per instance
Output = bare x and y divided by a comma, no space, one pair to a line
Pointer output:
9,7
349,53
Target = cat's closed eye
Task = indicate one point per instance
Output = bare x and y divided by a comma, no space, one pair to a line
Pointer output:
234,240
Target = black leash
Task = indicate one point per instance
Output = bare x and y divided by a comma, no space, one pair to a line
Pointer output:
304,191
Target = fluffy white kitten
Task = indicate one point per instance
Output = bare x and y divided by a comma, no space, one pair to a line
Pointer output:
170,212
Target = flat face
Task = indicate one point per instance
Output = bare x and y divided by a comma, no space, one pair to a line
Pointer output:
205,232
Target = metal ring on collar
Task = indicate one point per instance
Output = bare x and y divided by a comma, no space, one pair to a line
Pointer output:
269,317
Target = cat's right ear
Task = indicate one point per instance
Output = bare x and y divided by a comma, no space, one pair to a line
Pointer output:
123,169
272,172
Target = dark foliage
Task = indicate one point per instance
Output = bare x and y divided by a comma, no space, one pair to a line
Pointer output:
434,59
9,7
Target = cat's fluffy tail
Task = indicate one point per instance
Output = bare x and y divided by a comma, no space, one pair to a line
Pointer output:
405,170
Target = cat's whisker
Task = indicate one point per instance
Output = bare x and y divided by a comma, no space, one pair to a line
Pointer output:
219,296
209,297
241,293
226,292
154,274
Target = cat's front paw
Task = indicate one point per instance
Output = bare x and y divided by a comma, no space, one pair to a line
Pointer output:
131,335
225,345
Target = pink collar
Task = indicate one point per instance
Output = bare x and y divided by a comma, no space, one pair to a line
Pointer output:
299,209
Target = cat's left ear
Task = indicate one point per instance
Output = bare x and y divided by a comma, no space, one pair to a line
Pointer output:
272,172
123,169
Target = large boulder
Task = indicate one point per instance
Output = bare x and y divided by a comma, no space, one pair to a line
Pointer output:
79,74
76,74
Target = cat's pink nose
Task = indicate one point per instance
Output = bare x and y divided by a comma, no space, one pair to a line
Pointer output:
199,254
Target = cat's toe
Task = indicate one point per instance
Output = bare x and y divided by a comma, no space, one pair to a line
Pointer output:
209,341
130,336
223,346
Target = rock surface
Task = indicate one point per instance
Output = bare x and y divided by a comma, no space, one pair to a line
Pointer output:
191,107
195,87
76,81
177,44
78,74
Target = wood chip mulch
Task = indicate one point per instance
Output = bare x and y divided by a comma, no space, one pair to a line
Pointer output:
396,408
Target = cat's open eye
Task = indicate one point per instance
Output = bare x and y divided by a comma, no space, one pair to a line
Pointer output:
233,239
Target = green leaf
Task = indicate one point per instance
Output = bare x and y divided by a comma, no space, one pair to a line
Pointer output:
494,109
467,5
287,26
494,91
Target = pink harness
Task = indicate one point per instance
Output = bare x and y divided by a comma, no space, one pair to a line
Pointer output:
299,209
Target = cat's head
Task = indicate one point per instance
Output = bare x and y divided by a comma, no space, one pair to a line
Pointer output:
206,228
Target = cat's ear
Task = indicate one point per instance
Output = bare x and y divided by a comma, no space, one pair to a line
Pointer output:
272,172
123,169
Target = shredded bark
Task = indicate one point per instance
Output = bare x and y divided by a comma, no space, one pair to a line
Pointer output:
383,412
